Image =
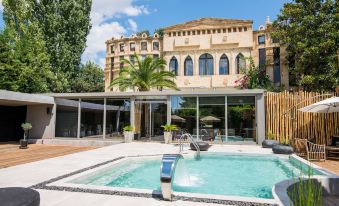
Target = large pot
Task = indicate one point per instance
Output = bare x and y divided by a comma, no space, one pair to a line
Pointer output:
168,137
128,136
23,144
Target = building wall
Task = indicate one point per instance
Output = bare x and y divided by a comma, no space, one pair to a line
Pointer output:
113,52
208,35
43,121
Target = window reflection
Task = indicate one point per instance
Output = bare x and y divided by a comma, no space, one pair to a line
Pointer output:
212,118
173,65
117,116
184,114
206,64
223,65
241,118
188,64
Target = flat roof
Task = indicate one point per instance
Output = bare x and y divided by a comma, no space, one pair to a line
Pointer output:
159,93
9,98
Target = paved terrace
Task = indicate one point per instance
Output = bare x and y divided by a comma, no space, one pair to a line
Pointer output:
29,174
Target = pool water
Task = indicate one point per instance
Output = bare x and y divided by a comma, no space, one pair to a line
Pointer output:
220,174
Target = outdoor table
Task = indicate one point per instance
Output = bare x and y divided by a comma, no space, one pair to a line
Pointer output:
332,152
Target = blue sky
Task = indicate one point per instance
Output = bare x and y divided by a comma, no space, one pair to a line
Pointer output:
124,17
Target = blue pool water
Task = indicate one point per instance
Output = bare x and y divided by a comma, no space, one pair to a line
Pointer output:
221,174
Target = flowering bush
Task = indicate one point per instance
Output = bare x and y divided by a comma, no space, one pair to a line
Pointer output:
254,78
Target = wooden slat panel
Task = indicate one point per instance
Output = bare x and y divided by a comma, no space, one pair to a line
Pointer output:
304,125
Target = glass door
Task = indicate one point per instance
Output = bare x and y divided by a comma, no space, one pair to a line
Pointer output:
149,117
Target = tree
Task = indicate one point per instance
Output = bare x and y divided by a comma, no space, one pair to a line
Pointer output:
24,62
160,32
65,26
145,75
310,31
90,78
142,32
254,78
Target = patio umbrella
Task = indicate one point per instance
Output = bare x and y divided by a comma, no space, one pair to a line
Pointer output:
210,119
329,105
326,106
178,118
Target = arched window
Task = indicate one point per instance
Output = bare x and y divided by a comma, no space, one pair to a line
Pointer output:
240,63
173,65
206,64
224,65
188,64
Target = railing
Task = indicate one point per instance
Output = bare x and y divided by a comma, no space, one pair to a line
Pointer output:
191,140
168,164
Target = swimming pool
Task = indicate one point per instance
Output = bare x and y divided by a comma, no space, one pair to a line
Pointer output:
217,173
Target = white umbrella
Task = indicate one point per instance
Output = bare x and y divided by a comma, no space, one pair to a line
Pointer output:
326,106
329,105
177,118
210,119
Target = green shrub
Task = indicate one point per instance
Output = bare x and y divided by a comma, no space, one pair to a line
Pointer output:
128,128
169,127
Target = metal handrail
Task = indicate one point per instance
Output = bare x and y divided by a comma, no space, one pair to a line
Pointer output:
191,140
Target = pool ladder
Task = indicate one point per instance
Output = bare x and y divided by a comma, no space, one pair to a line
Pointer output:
167,169
191,140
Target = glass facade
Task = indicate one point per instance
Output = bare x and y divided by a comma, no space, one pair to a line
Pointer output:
211,118
117,116
66,123
241,118
92,115
208,118
184,114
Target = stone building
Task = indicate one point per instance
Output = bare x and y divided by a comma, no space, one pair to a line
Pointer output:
207,53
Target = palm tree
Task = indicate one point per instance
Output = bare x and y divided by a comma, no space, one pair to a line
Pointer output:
144,75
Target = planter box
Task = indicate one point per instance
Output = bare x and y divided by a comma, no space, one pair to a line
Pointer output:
282,149
267,143
168,137
23,144
128,136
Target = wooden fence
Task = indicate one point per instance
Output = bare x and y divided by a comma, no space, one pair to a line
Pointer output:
285,121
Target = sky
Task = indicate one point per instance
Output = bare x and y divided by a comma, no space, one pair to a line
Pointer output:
124,17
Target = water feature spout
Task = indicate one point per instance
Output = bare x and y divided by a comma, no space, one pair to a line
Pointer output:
168,165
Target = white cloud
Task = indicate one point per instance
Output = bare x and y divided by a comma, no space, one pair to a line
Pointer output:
98,36
133,26
1,7
103,28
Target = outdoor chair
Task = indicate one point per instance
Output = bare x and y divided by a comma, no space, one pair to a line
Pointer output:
316,151
309,150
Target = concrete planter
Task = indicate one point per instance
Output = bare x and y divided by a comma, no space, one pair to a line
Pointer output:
168,137
128,136
282,149
267,143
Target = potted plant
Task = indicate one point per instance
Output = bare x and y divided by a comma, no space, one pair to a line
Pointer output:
128,133
269,142
168,128
24,142
283,148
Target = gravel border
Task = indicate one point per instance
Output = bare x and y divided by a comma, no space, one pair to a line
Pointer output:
155,194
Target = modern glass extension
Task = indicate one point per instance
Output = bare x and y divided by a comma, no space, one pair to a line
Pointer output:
208,116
